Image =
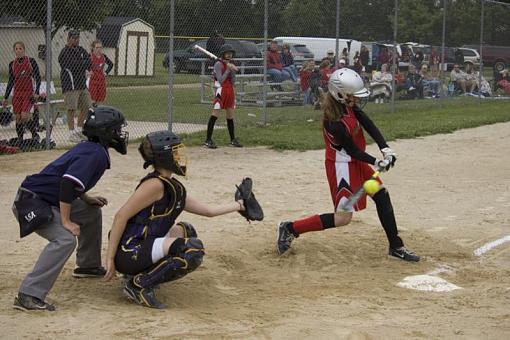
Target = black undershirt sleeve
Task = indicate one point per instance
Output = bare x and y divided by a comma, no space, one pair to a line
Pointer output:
36,75
109,63
68,192
344,140
369,126
10,84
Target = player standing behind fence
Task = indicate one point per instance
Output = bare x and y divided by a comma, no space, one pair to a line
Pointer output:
62,188
23,71
74,61
224,96
145,243
97,81
348,165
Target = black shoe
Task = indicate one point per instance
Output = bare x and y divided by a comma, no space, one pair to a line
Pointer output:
284,239
26,302
142,296
89,272
234,142
404,254
210,144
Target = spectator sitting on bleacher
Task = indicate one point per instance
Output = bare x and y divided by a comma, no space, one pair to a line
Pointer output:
471,75
384,57
504,81
274,65
380,87
304,78
288,63
364,56
356,63
460,81
413,84
430,84
22,71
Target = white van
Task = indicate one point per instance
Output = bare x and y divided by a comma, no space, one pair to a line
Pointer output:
320,46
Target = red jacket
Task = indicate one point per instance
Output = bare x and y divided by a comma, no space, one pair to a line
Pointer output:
274,60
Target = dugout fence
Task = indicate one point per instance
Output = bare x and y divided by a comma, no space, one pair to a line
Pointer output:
160,82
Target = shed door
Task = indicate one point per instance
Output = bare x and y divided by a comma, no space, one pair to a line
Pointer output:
136,53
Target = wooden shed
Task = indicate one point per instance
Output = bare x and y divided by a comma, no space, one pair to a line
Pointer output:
129,43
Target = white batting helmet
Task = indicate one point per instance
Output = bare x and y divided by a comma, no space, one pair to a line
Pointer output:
344,82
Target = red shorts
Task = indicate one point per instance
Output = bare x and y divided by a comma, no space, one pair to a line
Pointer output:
21,103
97,90
224,98
345,178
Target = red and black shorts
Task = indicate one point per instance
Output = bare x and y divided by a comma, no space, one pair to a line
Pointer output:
224,98
345,178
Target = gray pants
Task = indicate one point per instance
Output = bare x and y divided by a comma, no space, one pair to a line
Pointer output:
61,245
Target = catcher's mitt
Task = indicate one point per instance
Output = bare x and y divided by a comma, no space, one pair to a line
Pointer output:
252,209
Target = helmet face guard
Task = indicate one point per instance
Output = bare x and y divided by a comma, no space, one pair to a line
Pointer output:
120,140
167,150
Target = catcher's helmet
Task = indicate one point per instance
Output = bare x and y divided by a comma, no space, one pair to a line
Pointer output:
226,48
104,126
164,150
345,82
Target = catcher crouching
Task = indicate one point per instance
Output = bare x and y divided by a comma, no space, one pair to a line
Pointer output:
145,242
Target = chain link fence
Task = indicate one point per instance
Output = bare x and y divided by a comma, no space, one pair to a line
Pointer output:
140,57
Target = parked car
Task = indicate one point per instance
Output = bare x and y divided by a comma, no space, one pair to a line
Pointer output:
470,55
496,56
299,51
183,58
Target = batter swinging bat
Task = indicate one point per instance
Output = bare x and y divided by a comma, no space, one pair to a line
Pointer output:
351,202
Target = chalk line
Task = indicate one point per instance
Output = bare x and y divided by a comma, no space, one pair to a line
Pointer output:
488,246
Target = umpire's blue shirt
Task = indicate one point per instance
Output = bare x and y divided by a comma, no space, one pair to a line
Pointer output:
84,164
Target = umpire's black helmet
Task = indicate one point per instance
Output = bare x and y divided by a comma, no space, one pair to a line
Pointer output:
226,48
163,149
104,126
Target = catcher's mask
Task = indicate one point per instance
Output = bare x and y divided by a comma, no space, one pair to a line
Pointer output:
164,149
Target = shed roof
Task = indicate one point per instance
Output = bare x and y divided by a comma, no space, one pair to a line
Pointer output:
109,31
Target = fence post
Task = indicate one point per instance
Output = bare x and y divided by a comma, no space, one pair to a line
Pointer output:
48,56
395,66
171,66
443,65
264,88
337,33
481,52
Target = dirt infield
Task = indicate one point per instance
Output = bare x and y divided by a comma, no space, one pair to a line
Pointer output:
451,196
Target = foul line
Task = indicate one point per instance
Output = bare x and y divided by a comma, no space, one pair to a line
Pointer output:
488,246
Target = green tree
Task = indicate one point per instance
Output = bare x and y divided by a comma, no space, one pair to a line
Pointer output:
66,13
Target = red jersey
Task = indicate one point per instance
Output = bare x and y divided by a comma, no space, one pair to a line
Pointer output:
304,78
335,151
97,67
325,74
228,81
23,72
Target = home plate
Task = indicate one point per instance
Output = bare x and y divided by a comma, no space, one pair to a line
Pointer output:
427,283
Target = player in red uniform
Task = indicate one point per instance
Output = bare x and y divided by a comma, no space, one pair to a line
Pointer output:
224,96
348,165
98,73
23,72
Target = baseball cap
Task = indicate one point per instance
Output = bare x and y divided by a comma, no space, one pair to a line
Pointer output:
73,34
341,61
331,52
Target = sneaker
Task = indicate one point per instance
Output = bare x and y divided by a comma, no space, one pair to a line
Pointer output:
142,296
26,302
210,144
234,142
285,238
89,272
404,254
